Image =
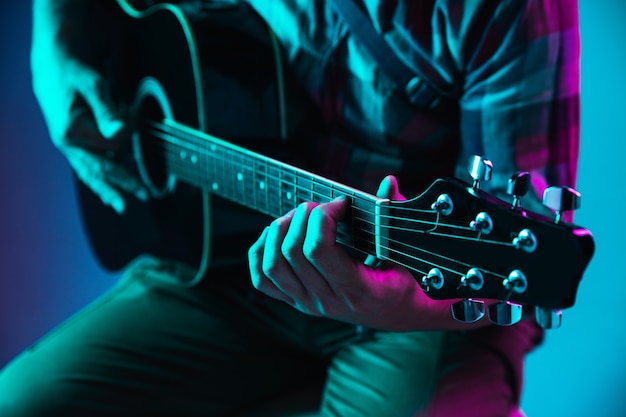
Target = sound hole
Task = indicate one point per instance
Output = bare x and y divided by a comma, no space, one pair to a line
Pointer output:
150,110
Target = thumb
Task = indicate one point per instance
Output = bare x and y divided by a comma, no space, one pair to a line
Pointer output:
388,188
97,94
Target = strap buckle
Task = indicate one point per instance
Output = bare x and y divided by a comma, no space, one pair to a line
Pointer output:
421,93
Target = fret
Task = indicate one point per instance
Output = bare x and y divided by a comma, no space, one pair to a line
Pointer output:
247,174
212,169
274,186
225,174
208,175
260,185
323,192
240,175
288,190
252,184
215,168
302,187
231,174
363,225
199,173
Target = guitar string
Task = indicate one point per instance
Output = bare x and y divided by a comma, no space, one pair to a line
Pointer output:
253,172
430,261
312,193
424,261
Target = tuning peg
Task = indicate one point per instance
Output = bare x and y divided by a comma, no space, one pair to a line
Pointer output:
548,318
443,205
480,169
561,199
482,223
468,311
515,282
473,279
434,280
505,313
525,240
518,186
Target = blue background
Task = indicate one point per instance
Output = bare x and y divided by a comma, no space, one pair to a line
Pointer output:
47,271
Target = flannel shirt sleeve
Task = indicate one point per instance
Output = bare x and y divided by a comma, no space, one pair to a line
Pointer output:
520,104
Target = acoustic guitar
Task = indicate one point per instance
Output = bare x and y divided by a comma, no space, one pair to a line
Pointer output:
458,240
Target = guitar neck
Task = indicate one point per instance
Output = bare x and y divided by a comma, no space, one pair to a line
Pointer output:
458,241
262,183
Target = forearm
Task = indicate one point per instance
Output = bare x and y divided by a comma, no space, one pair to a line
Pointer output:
75,28
55,20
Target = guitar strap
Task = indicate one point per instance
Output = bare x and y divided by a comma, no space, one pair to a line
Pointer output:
420,92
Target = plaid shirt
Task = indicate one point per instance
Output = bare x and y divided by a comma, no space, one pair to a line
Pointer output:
514,69
513,66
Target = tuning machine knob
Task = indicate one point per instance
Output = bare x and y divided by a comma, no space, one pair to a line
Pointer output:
468,311
515,282
506,313
473,279
434,279
443,205
548,318
561,199
518,187
525,240
482,223
480,169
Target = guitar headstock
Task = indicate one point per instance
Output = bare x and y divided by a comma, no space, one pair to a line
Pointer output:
462,242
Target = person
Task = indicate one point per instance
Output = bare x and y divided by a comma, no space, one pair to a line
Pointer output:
299,309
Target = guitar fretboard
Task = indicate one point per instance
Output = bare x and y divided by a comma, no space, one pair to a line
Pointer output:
259,182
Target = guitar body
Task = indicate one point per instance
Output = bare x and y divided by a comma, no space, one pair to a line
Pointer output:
218,69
